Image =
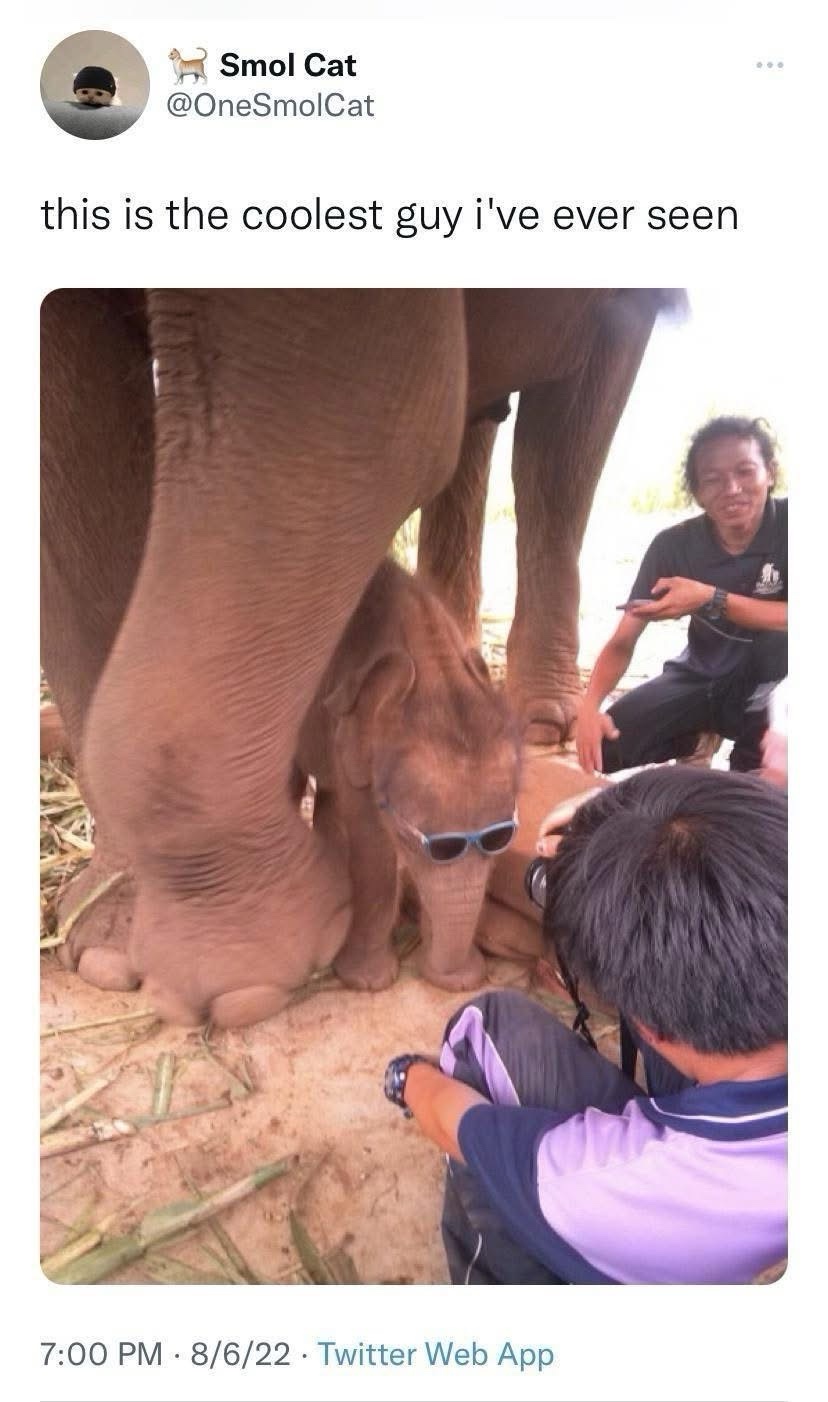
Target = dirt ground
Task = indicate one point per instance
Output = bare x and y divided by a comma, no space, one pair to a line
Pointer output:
364,1179
304,1087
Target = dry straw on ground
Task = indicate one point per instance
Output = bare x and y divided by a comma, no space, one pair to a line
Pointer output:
66,839
93,1251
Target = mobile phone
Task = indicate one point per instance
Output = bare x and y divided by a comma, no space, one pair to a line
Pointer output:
635,603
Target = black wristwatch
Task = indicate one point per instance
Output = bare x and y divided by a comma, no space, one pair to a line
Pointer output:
716,607
396,1075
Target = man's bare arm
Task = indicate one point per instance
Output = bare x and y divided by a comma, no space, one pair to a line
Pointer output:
610,665
438,1104
679,596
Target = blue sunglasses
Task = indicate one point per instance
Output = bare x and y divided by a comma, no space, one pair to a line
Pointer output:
449,846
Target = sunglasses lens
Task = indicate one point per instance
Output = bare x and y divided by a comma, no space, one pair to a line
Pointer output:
497,839
447,849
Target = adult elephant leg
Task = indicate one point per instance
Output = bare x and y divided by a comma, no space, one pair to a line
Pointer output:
295,431
451,531
96,485
562,436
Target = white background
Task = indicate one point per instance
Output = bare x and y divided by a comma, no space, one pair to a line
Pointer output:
542,104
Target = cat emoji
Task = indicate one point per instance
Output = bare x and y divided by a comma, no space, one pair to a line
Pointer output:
183,66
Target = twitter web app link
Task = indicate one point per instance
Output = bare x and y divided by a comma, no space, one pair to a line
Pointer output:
194,96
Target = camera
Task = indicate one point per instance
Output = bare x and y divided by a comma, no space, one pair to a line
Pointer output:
536,884
534,881
536,876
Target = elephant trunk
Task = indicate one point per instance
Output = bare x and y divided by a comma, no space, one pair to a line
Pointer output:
451,905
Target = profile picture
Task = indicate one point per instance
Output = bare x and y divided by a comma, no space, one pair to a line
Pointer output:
94,84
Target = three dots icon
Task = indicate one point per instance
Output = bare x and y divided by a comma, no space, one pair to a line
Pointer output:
770,65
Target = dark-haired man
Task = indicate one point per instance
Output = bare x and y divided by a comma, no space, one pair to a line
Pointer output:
668,896
728,570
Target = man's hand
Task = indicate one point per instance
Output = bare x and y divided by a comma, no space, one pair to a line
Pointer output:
590,728
438,1104
558,817
677,596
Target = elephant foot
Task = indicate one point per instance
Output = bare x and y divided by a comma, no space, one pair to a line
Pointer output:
248,1005
99,906
230,962
548,721
236,960
240,1007
506,934
470,974
368,973
109,968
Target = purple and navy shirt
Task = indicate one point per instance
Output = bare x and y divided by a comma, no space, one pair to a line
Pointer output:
689,1188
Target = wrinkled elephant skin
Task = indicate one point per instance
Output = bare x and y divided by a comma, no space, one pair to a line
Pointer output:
574,358
408,732
183,654
223,471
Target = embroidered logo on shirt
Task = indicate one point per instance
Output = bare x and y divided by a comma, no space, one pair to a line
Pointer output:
769,581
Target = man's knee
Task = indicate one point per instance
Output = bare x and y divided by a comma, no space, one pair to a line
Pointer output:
635,746
491,1012
478,1038
629,717
497,1041
656,721
746,754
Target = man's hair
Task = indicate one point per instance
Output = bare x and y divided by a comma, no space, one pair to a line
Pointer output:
729,426
668,897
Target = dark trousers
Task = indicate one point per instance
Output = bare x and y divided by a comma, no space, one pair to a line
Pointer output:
515,1052
663,718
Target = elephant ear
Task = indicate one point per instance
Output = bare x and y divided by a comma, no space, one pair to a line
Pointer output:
475,663
356,703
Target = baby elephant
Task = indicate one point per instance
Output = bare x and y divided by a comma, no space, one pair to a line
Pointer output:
416,759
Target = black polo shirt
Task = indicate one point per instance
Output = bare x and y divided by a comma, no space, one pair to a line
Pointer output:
691,550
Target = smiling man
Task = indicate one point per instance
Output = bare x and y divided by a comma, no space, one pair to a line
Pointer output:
728,570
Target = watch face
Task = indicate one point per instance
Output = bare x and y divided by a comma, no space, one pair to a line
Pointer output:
395,1079
715,608
395,1074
